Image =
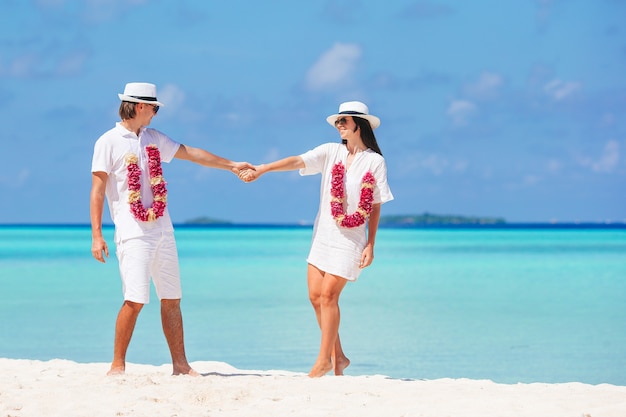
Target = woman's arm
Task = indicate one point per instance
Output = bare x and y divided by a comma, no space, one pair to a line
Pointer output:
290,163
367,256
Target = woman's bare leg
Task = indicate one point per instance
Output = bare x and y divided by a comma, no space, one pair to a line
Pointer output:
340,361
324,292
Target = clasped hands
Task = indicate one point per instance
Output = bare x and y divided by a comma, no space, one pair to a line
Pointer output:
247,172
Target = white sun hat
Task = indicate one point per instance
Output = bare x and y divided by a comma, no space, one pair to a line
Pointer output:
357,109
140,93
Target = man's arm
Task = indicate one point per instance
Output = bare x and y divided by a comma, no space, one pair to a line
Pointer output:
208,159
96,208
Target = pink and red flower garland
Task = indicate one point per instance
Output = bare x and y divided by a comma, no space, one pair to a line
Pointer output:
337,193
157,183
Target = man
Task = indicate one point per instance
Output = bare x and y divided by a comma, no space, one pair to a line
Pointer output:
126,168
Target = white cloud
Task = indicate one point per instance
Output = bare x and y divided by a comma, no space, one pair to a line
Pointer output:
99,11
607,120
554,165
607,161
559,90
434,163
531,179
34,64
93,7
71,64
272,154
51,3
98,3
426,10
544,12
460,111
172,96
335,67
17,181
22,66
486,87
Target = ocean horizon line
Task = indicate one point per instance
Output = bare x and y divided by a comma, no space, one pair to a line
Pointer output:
235,225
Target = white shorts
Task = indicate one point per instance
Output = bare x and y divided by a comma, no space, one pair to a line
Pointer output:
149,256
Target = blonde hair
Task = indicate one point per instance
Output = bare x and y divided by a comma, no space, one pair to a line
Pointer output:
127,110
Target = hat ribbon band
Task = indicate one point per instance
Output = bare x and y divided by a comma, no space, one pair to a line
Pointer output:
144,98
352,112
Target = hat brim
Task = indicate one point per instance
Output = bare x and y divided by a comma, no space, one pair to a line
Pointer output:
374,121
124,97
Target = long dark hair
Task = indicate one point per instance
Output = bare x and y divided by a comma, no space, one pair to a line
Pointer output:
367,134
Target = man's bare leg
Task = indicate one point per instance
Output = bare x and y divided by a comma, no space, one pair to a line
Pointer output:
124,327
172,321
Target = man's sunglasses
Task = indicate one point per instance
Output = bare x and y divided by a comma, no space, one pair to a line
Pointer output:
155,108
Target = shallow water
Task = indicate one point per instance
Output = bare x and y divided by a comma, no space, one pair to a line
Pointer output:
510,305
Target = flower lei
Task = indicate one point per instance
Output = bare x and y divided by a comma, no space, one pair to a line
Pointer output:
157,183
337,193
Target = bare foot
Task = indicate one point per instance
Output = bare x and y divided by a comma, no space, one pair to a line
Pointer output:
340,365
320,370
116,370
185,371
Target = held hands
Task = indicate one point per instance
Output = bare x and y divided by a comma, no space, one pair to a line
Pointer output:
239,167
246,171
249,175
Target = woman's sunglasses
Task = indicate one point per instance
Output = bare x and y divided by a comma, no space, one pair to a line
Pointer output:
341,121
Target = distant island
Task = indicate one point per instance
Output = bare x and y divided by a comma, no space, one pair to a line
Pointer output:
207,220
426,219
437,219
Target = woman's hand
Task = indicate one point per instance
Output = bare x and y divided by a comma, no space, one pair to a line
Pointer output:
249,175
367,256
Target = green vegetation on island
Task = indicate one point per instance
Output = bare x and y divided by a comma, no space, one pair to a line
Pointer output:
207,220
436,219
426,219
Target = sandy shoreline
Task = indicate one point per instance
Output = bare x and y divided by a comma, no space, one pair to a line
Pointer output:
63,388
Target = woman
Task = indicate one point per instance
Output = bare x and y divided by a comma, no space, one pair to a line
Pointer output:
354,185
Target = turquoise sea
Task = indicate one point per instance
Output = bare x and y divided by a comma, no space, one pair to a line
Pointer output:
512,305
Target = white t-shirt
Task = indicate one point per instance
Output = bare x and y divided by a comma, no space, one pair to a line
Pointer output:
336,249
109,155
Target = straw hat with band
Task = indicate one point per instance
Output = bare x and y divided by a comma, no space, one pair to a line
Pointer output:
356,109
140,93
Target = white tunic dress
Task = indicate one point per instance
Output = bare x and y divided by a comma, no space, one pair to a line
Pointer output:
334,249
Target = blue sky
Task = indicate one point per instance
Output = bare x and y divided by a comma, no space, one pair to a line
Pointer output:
498,108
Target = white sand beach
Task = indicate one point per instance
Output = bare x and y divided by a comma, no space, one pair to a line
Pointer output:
31,388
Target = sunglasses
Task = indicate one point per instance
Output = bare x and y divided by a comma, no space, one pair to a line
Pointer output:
155,108
341,121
